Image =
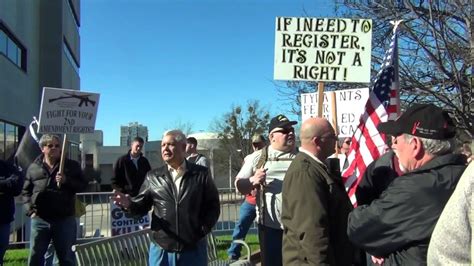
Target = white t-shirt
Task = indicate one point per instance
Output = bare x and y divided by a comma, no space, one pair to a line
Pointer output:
277,163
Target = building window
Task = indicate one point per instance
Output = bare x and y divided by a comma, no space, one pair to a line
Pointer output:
70,56
73,12
73,151
9,139
12,48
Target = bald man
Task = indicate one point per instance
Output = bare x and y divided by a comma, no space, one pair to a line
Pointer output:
315,204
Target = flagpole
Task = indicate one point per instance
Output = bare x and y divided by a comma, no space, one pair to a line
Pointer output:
334,118
395,24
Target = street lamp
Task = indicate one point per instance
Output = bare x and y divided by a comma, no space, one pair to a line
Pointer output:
230,169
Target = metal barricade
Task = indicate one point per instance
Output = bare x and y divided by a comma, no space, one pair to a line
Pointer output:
97,221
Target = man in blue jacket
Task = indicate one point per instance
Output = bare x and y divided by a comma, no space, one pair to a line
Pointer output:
11,182
398,225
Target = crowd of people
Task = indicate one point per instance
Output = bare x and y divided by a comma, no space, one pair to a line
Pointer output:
414,202
304,214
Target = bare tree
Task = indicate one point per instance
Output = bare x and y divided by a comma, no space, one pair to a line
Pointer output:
235,130
186,127
435,52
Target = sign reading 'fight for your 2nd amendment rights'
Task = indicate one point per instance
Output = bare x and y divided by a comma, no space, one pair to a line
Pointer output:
67,111
323,49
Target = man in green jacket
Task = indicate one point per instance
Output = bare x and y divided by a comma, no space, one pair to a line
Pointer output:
315,203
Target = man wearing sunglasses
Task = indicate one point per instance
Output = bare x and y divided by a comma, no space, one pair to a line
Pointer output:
398,225
267,177
49,198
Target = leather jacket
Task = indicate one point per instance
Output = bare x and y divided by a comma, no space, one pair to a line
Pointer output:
178,221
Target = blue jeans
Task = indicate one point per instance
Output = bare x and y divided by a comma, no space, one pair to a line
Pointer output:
195,257
63,234
247,215
270,245
4,238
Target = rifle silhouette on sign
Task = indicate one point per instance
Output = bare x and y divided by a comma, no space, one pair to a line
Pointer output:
84,99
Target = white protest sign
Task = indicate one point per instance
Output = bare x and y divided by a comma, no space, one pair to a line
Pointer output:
323,49
68,111
122,222
350,106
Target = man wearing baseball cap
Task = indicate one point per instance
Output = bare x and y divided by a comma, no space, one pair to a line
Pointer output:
264,170
398,225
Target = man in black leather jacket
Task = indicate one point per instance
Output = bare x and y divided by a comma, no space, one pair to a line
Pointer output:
185,205
398,225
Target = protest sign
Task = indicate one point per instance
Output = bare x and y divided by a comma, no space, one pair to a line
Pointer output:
323,49
67,111
349,106
122,222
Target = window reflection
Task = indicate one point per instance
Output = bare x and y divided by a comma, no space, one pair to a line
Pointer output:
3,43
12,48
9,139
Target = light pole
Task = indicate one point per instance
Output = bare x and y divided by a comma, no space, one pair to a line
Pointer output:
230,169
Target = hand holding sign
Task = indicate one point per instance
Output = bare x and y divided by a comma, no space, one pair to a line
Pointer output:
59,179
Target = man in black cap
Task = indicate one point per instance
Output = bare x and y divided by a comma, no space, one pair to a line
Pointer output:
264,170
398,225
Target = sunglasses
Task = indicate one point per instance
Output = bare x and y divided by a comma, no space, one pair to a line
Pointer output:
52,145
285,131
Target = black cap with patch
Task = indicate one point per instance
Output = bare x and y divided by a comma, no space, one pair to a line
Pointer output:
421,120
280,121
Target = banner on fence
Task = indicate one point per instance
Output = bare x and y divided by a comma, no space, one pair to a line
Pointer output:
122,222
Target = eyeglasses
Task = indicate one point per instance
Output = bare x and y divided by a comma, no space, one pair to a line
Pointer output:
285,131
52,145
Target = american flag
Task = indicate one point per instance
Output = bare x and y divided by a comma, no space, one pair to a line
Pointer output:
383,105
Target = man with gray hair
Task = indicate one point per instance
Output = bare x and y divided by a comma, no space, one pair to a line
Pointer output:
398,225
49,198
185,205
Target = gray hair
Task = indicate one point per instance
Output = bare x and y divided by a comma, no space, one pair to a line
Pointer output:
435,147
47,138
177,134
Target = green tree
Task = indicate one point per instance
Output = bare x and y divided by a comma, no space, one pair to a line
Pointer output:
435,52
235,130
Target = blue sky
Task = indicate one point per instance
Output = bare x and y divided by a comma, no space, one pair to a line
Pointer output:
162,63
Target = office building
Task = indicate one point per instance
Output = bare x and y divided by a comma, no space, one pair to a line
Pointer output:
39,47
131,131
